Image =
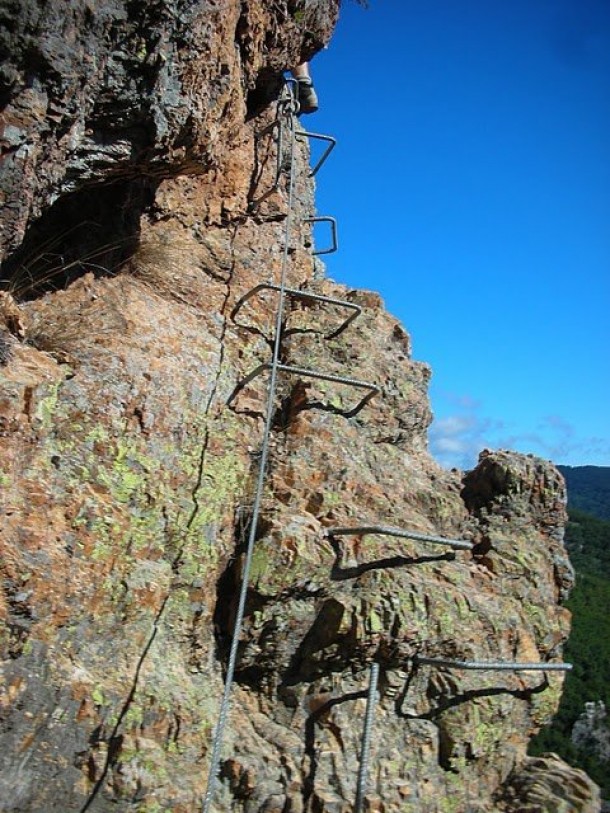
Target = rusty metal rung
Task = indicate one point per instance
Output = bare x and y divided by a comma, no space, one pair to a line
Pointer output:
333,230
494,666
459,544
304,373
332,143
296,293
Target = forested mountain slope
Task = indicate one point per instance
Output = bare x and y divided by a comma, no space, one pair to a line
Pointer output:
588,542
588,489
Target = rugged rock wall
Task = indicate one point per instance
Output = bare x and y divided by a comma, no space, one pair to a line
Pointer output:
129,461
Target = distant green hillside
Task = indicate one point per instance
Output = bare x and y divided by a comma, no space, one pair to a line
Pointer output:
588,541
588,489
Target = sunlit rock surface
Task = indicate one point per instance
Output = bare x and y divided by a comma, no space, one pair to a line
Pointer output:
139,208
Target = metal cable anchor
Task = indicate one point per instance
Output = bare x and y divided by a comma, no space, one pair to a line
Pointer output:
287,109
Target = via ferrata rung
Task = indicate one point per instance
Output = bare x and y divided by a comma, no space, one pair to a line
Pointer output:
372,389
492,666
308,296
385,530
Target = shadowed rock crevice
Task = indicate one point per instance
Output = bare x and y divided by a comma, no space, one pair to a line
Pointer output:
19,617
266,90
341,572
320,715
115,739
93,231
228,585
201,468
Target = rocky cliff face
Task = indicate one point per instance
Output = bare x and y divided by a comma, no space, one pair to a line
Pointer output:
139,208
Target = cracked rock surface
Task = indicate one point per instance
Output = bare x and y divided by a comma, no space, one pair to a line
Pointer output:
130,456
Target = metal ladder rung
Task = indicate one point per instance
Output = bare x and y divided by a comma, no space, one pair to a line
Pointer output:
300,371
459,544
333,229
494,666
298,294
332,144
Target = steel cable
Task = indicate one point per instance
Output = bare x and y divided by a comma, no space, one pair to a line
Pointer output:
290,114
365,747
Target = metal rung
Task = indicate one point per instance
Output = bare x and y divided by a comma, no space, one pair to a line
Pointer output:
459,544
278,123
494,666
332,142
300,371
333,229
298,294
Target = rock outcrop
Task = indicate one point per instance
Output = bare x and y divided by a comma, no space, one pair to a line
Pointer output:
591,732
542,784
140,208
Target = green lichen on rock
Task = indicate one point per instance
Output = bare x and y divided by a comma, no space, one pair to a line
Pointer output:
545,704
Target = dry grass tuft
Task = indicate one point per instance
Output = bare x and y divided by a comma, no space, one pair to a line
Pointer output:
49,269
173,264
69,321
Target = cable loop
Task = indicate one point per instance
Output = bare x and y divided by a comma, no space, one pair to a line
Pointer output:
289,97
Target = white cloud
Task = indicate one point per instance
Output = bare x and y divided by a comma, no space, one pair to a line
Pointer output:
444,445
557,423
454,425
456,440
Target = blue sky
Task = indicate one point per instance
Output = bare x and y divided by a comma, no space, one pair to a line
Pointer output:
471,184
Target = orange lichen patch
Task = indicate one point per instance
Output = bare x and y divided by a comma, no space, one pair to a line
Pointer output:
9,692
26,742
